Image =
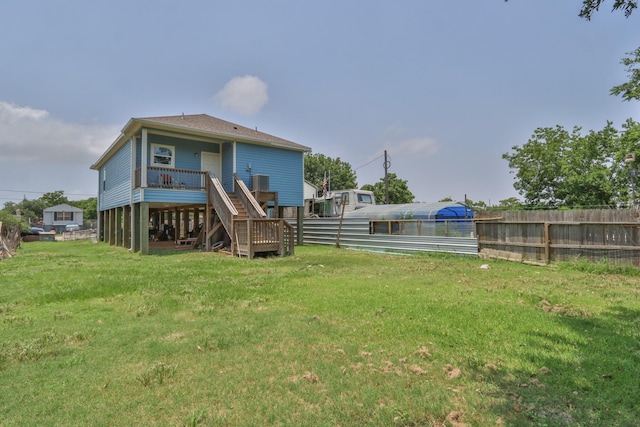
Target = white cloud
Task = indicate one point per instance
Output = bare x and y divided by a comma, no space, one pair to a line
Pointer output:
32,135
423,146
10,112
243,95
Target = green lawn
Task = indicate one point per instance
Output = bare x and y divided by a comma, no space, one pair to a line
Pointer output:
94,335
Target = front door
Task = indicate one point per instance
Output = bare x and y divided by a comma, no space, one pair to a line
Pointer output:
211,163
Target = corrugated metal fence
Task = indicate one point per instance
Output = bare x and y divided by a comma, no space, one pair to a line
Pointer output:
544,236
355,234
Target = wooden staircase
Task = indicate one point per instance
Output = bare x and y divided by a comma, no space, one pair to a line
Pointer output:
242,212
245,222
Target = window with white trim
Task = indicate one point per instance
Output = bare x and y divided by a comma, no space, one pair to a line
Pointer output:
163,155
63,216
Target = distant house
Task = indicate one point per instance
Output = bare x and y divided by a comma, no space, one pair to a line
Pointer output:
196,177
57,217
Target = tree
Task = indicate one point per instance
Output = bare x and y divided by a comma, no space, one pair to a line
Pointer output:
30,209
591,6
560,168
398,190
631,89
54,198
318,166
89,208
510,203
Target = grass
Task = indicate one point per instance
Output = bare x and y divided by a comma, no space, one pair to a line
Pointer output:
94,335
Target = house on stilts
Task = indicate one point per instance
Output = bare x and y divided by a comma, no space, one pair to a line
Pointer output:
198,180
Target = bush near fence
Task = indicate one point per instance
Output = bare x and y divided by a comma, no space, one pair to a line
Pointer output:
561,235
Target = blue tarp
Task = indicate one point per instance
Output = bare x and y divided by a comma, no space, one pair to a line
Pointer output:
423,211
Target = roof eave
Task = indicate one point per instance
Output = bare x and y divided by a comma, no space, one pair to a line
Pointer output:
221,135
119,142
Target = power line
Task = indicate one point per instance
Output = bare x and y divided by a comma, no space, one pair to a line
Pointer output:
369,162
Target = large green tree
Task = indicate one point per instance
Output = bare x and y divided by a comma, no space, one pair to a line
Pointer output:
339,173
398,190
631,89
561,168
54,198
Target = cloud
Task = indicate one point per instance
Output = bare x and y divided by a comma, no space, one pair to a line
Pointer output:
243,95
423,146
32,135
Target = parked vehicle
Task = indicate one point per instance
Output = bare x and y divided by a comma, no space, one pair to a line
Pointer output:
71,227
352,199
37,230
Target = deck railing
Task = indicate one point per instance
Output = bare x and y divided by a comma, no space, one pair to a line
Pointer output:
179,179
263,235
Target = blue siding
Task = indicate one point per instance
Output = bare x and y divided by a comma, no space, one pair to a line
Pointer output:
284,168
137,195
117,191
187,151
227,167
175,196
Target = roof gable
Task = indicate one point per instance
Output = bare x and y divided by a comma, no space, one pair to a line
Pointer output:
62,208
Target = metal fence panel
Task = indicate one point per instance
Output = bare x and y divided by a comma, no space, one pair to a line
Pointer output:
355,234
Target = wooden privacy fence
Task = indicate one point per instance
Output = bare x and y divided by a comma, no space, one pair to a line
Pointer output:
544,236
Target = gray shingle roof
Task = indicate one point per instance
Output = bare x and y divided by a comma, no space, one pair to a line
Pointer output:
213,125
202,124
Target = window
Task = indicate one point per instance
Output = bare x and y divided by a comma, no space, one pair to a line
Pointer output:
162,155
63,216
365,198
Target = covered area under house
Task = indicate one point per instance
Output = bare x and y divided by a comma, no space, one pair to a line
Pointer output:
236,221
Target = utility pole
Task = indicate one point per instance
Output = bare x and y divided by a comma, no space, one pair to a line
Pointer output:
386,177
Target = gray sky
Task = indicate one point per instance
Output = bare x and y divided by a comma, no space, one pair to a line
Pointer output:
445,87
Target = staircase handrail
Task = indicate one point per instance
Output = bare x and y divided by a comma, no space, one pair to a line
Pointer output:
221,203
249,202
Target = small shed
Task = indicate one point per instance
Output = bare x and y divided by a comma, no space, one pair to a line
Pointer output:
57,217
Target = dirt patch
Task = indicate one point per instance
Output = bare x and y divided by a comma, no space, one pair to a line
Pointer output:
455,418
423,352
311,377
417,370
452,372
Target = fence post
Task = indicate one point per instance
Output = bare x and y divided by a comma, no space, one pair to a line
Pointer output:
547,243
